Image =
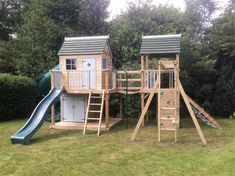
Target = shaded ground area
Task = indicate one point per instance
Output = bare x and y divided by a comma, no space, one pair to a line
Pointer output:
63,152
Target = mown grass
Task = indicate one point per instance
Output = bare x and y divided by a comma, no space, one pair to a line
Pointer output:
65,152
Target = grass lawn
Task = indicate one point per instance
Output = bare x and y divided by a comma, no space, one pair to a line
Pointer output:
66,152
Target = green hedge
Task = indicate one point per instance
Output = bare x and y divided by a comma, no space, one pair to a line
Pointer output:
18,96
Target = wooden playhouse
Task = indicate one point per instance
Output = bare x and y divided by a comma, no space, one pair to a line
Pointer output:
88,79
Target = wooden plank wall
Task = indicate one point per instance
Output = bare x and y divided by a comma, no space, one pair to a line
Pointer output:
109,64
62,61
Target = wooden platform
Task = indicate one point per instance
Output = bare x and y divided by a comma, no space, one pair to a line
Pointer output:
91,125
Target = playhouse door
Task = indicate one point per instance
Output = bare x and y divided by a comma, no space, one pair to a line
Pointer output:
68,108
88,79
79,109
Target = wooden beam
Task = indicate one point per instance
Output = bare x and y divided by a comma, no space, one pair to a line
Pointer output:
185,98
129,72
176,80
142,85
142,105
107,99
141,119
107,111
178,93
146,68
159,103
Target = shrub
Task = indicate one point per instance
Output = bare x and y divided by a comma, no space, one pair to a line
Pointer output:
18,96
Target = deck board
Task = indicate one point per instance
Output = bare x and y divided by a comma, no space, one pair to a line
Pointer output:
91,125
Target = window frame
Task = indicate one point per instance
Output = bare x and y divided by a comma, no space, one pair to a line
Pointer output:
70,64
104,63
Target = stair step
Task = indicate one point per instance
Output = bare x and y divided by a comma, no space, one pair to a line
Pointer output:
95,104
94,111
93,118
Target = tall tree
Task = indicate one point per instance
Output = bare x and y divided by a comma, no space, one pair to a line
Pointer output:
198,16
141,19
221,39
9,17
46,22
197,67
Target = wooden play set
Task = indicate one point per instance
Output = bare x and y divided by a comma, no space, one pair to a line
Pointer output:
87,76
85,80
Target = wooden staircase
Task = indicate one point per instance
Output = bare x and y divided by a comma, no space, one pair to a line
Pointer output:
94,110
203,115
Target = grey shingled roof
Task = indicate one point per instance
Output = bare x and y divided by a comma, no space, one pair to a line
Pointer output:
160,44
83,45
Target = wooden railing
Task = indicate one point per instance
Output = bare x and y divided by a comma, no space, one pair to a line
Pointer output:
134,79
75,80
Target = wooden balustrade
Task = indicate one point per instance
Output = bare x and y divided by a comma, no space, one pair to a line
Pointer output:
84,80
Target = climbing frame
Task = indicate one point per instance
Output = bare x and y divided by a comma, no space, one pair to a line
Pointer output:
167,99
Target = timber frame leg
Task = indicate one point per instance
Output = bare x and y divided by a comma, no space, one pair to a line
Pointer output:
185,98
107,96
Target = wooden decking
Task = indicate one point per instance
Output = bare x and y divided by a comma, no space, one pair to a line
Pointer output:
91,125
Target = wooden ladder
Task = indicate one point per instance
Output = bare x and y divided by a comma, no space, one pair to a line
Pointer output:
90,110
203,115
167,102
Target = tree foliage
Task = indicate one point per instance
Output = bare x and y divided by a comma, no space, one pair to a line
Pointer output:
141,19
221,39
47,22
31,33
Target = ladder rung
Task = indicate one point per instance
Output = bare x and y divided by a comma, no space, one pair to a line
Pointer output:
129,80
94,111
96,97
95,104
165,118
168,129
166,108
93,118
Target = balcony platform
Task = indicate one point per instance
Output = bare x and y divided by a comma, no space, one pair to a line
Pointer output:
91,125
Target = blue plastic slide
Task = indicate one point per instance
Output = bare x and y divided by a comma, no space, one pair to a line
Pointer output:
37,118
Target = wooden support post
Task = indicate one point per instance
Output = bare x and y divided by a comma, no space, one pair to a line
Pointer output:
142,105
147,68
199,130
178,92
141,119
176,80
142,85
107,99
157,108
159,102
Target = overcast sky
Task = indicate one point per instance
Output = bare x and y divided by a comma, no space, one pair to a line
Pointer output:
116,6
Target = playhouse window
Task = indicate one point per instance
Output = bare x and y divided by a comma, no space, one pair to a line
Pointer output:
104,64
70,64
